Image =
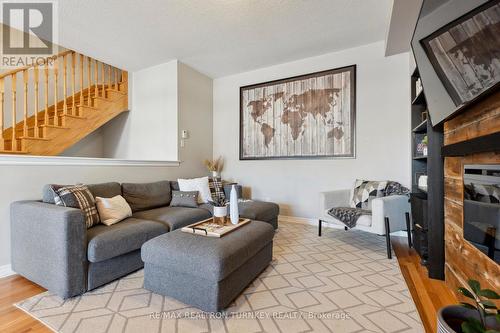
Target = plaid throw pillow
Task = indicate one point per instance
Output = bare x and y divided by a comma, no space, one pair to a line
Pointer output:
365,191
77,196
216,188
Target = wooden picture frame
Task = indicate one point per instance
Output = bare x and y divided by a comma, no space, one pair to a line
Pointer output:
465,54
302,117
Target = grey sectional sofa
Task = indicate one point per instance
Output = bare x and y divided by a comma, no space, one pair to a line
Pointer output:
52,247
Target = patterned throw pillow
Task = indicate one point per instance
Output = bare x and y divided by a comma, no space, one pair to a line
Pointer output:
486,193
216,188
77,196
395,188
365,191
184,199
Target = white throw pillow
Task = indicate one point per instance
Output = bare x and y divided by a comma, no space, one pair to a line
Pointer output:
113,210
197,184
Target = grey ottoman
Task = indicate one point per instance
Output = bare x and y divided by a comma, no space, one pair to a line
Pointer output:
206,272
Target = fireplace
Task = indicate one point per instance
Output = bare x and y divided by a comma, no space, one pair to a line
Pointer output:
472,155
482,208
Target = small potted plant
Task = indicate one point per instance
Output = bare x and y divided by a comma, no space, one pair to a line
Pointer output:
220,210
481,316
214,166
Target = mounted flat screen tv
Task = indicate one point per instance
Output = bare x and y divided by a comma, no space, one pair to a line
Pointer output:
456,45
482,208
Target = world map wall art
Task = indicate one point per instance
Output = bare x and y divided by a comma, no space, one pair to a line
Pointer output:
307,116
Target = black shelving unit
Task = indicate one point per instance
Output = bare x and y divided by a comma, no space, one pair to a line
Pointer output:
427,202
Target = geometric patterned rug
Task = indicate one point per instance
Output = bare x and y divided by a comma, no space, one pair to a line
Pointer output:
340,282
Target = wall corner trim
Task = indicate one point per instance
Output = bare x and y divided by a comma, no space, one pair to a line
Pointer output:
5,271
81,161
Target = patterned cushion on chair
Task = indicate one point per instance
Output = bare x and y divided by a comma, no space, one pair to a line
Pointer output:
216,188
365,191
486,193
77,196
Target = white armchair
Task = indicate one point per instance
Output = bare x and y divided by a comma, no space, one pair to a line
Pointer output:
389,214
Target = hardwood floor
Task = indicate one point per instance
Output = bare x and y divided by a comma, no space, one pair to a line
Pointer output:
429,295
14,289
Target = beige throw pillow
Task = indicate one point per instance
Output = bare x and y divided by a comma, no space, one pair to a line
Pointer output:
113,210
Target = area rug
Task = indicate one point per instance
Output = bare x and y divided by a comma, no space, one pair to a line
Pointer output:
340,282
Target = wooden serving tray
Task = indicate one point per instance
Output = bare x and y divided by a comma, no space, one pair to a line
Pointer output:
209,228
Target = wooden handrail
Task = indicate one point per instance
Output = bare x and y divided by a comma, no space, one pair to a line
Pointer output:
20,69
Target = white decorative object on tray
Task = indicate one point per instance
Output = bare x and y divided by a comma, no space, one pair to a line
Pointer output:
233,205
209,228
220,211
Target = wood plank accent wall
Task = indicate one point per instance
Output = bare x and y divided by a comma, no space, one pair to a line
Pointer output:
464,261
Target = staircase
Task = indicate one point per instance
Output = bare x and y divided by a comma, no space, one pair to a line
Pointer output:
55,104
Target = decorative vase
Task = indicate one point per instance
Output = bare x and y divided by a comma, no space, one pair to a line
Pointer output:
233,206
450,318
215,174
220,214
220,211
424,150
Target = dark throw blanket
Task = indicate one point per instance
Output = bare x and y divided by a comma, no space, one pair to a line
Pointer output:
347,215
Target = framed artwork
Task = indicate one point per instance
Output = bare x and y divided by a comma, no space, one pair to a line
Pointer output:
307,116
466,53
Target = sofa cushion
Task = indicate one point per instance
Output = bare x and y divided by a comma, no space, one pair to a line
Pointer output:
105,242
104,190
174,217
212,259
174,185
258,210
147,195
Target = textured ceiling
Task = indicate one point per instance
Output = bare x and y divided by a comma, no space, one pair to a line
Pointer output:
218,37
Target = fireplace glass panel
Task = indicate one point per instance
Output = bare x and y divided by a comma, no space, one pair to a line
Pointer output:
482,208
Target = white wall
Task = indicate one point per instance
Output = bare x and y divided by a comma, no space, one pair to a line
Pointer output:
149,130
90,146
195,94
382,129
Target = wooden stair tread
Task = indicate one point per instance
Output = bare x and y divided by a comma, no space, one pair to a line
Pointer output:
117,91
16,152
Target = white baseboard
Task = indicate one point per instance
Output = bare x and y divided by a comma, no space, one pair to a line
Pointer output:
314,222
305,220
5,271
